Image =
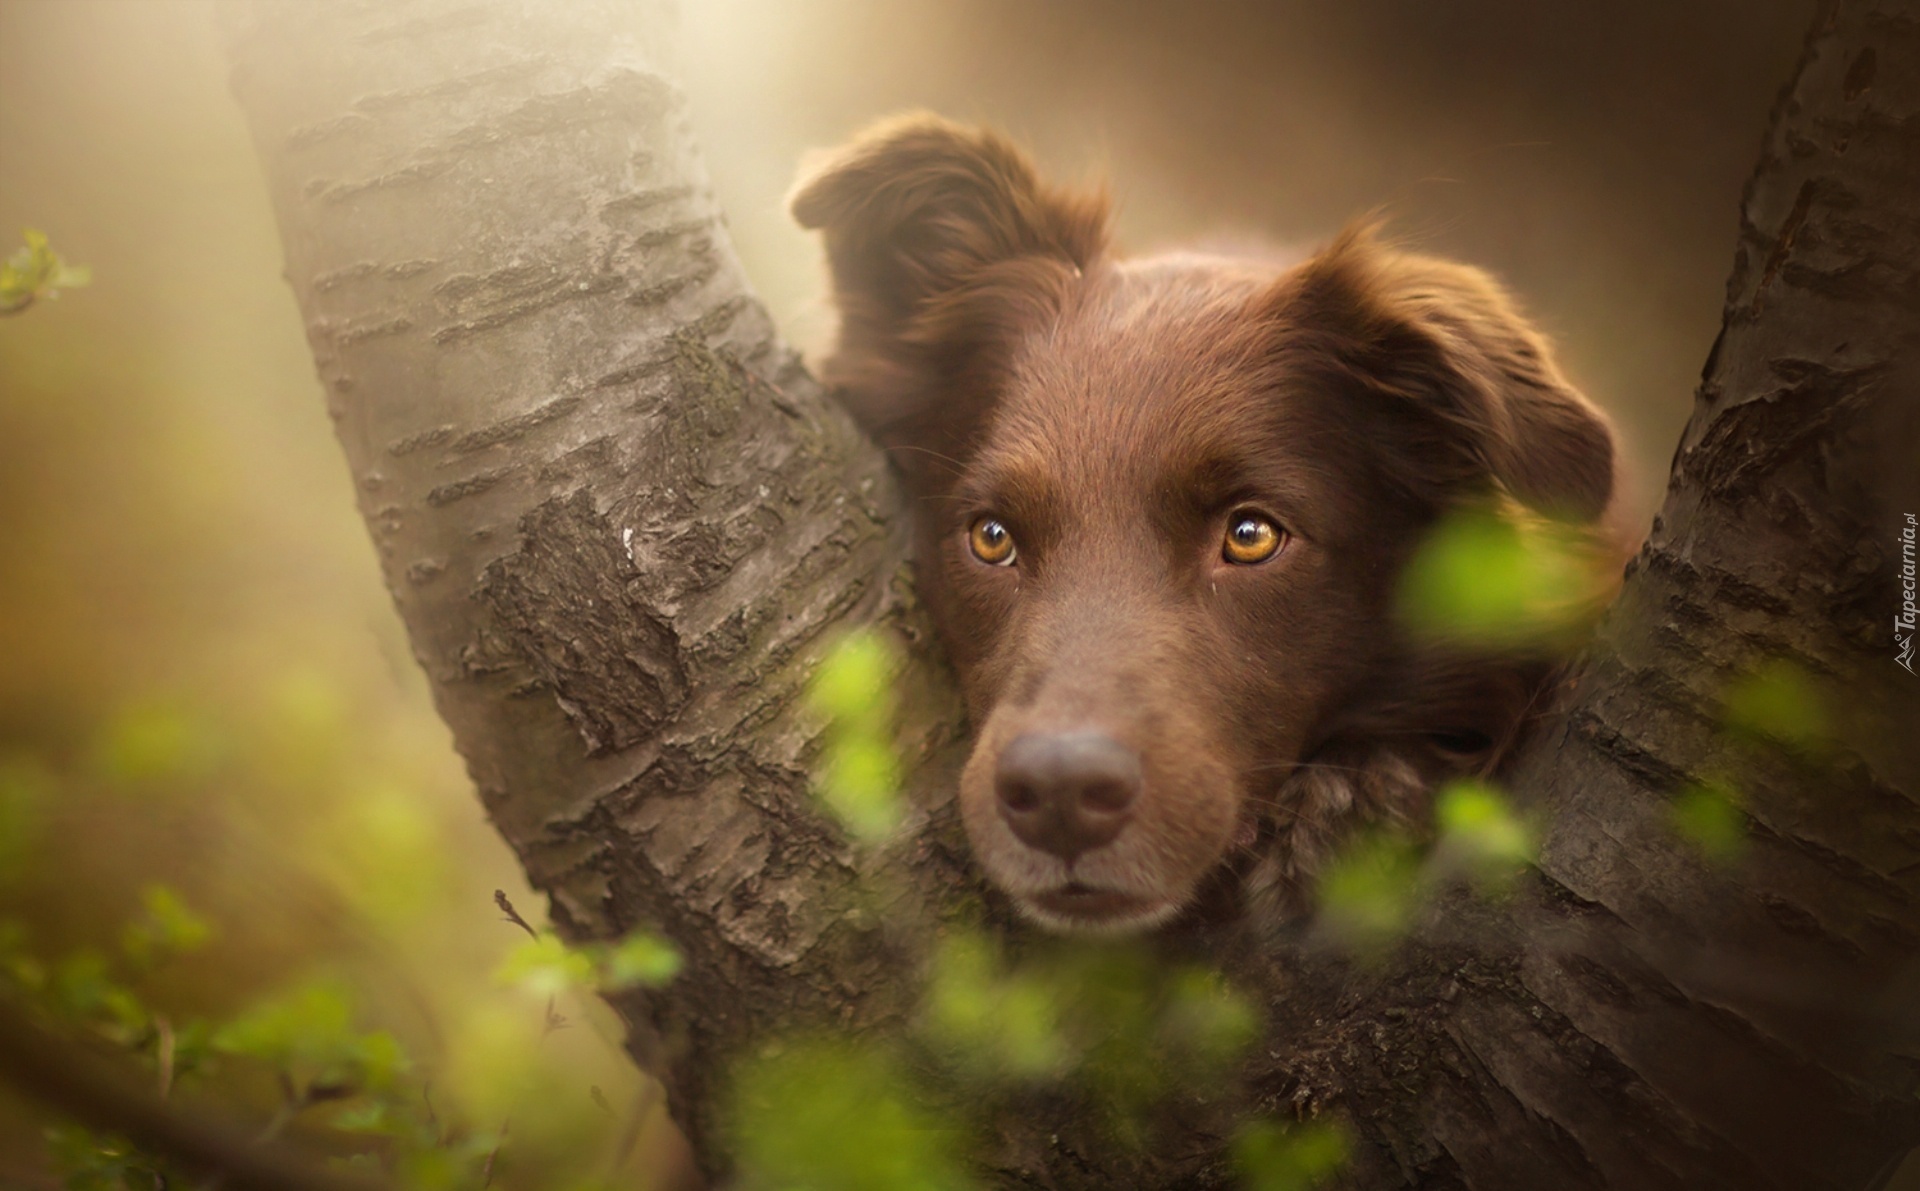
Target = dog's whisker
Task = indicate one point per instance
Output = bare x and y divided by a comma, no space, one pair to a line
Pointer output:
953,464
1307,765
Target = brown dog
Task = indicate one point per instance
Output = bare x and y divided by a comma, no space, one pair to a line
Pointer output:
1162,505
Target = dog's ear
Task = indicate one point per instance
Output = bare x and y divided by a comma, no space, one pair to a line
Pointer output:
1484,397
917,206
937,237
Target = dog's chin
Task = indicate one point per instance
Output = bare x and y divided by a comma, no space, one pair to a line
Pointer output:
1080,910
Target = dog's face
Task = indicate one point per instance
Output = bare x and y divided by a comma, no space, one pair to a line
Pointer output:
1161,508
1155,574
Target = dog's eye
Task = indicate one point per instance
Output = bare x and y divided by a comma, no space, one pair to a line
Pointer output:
991,542
1251,538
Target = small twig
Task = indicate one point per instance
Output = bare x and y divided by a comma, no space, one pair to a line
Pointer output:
294,1102
513,915
486,1172
433,1118
636,1124
289,1104
551,1022
165,1048
555,1021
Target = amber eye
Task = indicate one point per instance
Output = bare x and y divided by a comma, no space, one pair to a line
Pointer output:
1251,538
990,542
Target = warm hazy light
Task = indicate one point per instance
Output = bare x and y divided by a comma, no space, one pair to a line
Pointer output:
202,682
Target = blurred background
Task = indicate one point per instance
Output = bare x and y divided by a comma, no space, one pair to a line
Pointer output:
201,681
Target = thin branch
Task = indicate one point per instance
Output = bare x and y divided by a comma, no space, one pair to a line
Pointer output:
166,1053
513,915
73,1080
486,1172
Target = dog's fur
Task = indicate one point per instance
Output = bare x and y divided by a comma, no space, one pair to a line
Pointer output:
1112,414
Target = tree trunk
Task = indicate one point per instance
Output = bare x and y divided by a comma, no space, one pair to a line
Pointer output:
621,522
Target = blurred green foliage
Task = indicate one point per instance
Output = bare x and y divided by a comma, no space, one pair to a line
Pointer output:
858,779
1482,834
1107,1014
1276,1157
151,742
1373,891
165,927
1500,579
250,862
306,1034
1708,815
1774,709
1778,703
545,966
1370,893
35,272
233,842
990,1022
352,1090
1109,1022
817,1114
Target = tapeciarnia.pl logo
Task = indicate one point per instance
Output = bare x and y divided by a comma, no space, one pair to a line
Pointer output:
1903,620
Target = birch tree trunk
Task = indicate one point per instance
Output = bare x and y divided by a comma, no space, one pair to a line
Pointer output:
621,521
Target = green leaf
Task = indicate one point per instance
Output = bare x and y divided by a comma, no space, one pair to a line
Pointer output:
368,1116
385,851
852,685
547,967
1480,832
166,927
858,778
82,987
1275,1157
1504,582
1206,1021
35,272
1778,702
991,1023
375,1060
307,1033
825,1115
102,1162
155,741
1369,893
1707,814
860,784
640,959
193,1047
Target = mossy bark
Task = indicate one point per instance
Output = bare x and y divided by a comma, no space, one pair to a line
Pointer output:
621,522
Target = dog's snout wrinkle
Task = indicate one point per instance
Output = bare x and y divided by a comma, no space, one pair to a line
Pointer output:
1067,793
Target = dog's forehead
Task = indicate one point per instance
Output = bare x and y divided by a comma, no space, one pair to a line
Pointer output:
1149,367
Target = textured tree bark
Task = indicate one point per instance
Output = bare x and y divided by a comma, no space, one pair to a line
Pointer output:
619,519
620,522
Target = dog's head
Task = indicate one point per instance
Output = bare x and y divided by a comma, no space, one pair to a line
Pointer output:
1162,504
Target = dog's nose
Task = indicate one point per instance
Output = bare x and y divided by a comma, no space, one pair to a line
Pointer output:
1067,792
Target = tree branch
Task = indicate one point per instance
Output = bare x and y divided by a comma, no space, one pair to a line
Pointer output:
620,521
76,1082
